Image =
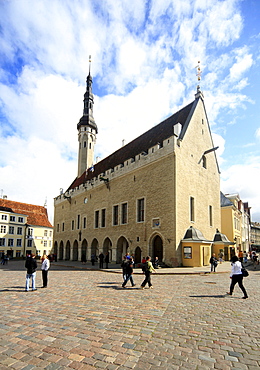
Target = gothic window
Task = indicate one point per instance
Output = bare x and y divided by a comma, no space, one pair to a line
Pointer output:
124,213
96,219
115,215
103,218
140,210
192,218
210,216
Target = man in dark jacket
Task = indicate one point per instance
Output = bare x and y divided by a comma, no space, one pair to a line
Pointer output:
31,266
128,273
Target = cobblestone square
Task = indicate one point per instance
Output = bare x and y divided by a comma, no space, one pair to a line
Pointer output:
85,320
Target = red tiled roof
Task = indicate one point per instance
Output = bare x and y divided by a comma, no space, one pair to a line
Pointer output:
37,215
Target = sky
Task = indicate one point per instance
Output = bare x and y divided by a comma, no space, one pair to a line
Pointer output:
144,55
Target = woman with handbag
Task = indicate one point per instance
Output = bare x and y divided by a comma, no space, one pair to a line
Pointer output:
236,276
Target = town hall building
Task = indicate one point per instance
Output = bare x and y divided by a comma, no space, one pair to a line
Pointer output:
159,195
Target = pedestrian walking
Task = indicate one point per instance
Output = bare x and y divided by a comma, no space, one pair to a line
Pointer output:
220,256
213,263
31,266
236,276
240,256
6,259
45,268
148,270
255,259
107,260
123,265
245,255
129,269
101,260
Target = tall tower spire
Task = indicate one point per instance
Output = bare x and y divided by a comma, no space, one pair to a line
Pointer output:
87,129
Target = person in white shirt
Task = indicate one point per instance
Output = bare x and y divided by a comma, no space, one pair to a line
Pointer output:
236,276
45,268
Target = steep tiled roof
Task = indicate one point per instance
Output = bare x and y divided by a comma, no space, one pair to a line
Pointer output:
155,135
37,215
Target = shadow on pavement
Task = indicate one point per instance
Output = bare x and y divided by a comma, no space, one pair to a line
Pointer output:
209,296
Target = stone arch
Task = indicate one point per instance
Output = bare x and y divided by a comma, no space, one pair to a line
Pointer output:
61,251
138,255
84,249
75,251
156,249
122,248
67,251
94,247
107,247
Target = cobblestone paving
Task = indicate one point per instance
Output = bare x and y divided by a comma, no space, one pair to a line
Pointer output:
85,320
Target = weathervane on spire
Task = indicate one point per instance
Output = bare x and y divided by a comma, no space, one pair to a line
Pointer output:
89,59
198,72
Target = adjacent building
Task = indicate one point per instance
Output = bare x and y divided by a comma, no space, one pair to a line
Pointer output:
235,224
158,195
24,229
255,236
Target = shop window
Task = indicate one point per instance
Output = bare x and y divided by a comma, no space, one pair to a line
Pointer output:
187,251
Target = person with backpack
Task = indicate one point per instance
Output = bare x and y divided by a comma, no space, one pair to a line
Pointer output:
147,269
128,269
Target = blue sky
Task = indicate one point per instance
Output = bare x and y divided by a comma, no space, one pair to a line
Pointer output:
144,55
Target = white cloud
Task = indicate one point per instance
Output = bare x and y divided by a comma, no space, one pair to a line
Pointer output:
243,62
242,179
257,134
143,54
36,171
220,142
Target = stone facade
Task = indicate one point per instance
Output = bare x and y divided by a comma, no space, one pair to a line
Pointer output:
157,189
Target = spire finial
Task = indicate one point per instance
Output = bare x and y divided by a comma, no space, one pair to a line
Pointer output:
89,59
198,72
